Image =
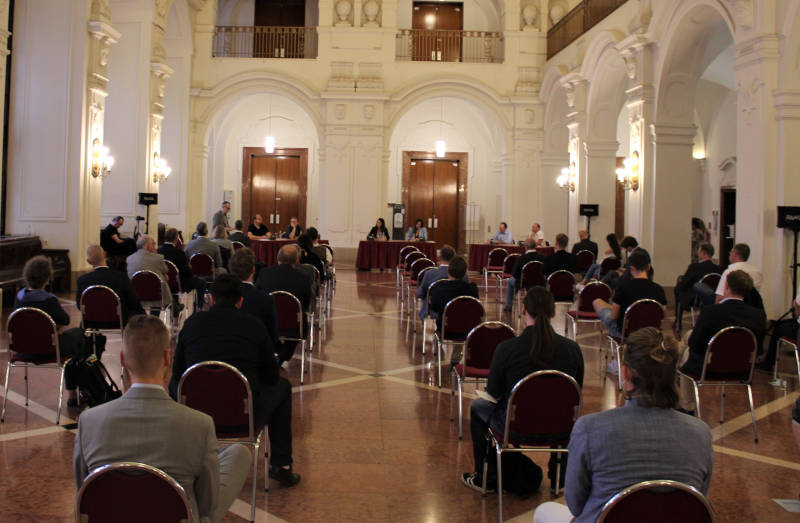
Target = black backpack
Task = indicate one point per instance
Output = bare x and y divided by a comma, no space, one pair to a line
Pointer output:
521,475
95,383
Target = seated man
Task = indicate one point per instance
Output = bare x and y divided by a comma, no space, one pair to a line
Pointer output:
738,257
238,234
502,235
293,230
255,301
685,292
537,235
225,333
730,312
446,254
147,259
115,280
454,287
111,241
585,244
561,259
630,245
170,251
145,425
202,245
516,273
639,287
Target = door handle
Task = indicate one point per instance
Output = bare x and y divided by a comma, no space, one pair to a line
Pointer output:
278,218
271,218
436,223
430,222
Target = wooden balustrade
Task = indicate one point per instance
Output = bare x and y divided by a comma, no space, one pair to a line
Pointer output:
422,45
583,17
265,42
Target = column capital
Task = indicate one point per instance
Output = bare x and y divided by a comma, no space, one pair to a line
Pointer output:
756,51
787,104
673,134
601,148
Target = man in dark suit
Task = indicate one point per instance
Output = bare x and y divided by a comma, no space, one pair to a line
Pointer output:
730,312
516,273
561,259
585,244
170,251
225,333
255,301
238,234
115,280
454,287
684,289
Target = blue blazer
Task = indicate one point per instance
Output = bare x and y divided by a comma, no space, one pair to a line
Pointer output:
423,234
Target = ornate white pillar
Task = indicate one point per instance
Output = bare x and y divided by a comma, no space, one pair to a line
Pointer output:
598,186
577,90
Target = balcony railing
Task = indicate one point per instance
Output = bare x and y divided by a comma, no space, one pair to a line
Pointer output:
583,17
423,45
265,42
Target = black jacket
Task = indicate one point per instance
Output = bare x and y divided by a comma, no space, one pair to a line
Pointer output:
261,305
558,261
315,261
694,273
239,236
520,263
298,231
585,245
729,313
178,257
443,292
117,282
283,277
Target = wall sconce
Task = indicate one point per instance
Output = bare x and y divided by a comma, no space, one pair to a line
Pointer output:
101,161
566,179
160,169
628,175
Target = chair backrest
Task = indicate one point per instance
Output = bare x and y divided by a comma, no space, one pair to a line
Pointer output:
403,252
32,331
561,285
329,249
317,275
237,245
411,257
730,356
221,391
202,265
173,277
289,311
483,340
711,279
532,274
496,257
593,290
509,261
115,492
640,314
101,308
418,266
609,264
583,260
430,291
542,408
147,286
461,315
658,501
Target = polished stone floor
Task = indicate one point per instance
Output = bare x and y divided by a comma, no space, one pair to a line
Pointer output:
372,436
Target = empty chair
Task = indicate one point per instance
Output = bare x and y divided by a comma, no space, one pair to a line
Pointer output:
415,277
786,344
148,288
658,501
561,285
460,316
202,266
174,282
292,326
410,258
712,281
128,492
584,311
430,312
608,265
640,314
494,265
101,310
583,260
508,268
401,259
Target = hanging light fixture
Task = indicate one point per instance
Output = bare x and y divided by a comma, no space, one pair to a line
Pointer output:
101,161
441,147
160,169
269,140
566,180
628,175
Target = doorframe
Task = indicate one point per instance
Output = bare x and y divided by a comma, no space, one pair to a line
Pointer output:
247,155
461,189
724,254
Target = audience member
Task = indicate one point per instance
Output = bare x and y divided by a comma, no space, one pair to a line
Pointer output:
319,249
111,241
144,425
561,259
539,347
146,258
446,254
71,342
614,278
225,245
513,285
170,251
502,235
585,244
613,251
646,439
379,232
537,235
454,287
221,216
202,245
307,255
685,292
293,230
738,257
732,311
698,237
418,232
114,280
238,234
225,333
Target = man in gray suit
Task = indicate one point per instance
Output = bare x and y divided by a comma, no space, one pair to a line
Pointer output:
221,217
202,245
146,426
146,258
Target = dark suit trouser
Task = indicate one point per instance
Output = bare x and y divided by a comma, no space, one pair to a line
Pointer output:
275,409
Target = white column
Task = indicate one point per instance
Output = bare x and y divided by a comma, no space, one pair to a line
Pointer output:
598,186
576,87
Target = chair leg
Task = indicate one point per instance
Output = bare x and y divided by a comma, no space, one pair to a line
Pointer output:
439,360
425,332
499,485
26,386
559,457
619,366
797,363
60,394
486,282
696,399
752,412
452,392
255,480
485,471
5,393
302,360
460,409
722,406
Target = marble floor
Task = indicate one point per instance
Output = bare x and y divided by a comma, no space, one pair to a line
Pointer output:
372,436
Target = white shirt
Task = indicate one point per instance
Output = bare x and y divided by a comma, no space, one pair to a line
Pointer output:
538,235
752,270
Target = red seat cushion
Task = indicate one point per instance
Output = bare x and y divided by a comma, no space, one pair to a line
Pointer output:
507,275
472,372
581,314
494,267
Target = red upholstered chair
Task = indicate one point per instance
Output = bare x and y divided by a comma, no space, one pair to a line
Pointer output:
290,324
584,260
640,314
712,281
101,310
33,343
221,391
415,277
479,348
561,285
658,501
541,411
584,311
494,265
786,344
730,358
237,246
174,282
128,492
202,266
147,286
429,315
532,274
608,265
460,316
410,258
508,268
401,262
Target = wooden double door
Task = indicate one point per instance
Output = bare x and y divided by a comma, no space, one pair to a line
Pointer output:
437,35
274,186
434,190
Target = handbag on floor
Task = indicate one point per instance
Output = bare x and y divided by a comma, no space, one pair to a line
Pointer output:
94,382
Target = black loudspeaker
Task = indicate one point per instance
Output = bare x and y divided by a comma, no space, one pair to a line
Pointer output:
789,217
589,209
148,198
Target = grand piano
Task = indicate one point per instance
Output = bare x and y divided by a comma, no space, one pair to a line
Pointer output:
16,250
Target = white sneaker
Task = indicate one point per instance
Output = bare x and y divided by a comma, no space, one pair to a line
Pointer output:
612,367
285,365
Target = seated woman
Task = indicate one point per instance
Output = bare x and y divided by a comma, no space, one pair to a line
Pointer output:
613,251
379,232
307,255
225,245
646,439
257,230
418,232
37,272
539,347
